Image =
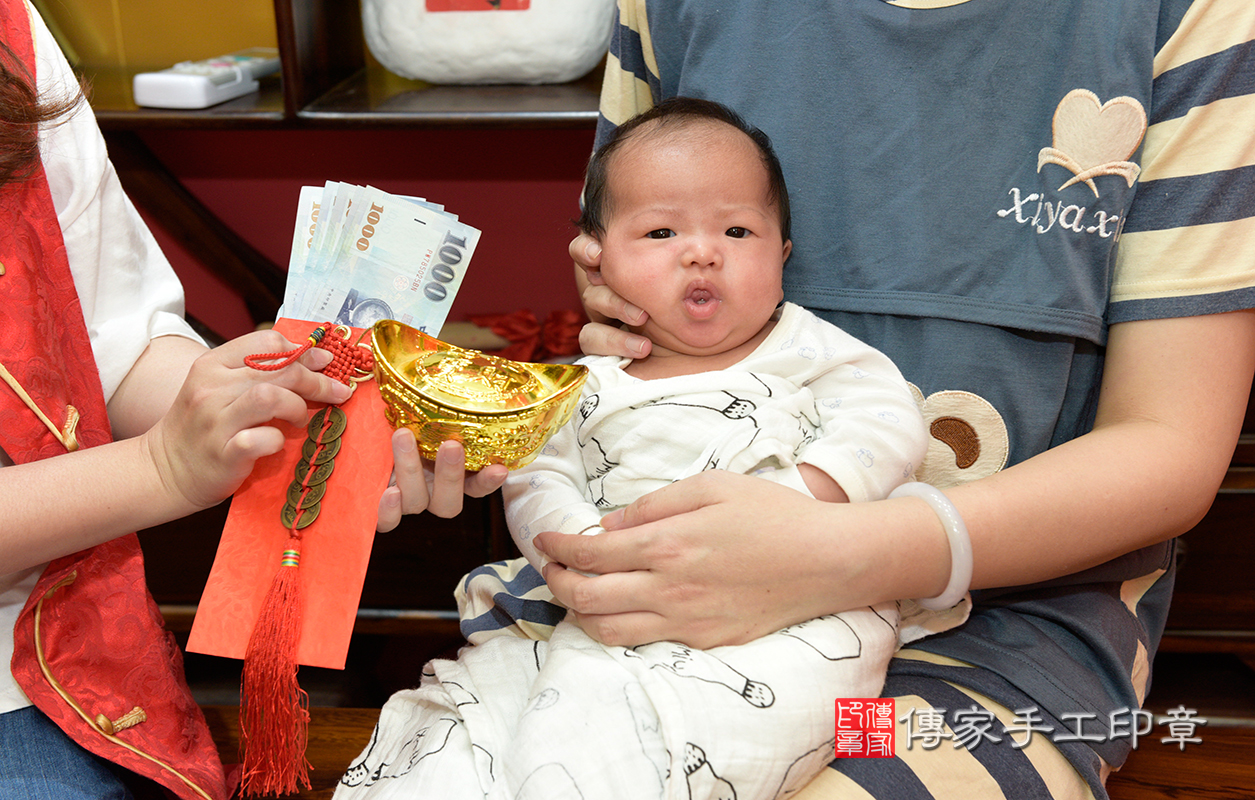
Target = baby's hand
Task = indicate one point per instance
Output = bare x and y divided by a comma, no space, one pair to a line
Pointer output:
821,486
220,423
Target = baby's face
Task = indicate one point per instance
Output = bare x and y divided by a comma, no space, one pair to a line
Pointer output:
691,237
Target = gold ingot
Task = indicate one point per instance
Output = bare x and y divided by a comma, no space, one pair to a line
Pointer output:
502,411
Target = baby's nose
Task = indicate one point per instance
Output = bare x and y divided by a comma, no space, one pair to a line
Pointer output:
702,251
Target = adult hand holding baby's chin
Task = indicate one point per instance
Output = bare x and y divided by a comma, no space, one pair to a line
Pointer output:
603,336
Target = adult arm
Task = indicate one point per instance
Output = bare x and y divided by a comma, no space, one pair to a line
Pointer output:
183,446
153,383
193,457
711,560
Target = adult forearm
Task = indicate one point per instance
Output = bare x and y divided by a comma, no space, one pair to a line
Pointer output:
1119,488
221,421
149,388
1076,506
58,506
1173,398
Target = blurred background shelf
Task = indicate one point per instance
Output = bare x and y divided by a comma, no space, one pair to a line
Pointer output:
328,77
374,97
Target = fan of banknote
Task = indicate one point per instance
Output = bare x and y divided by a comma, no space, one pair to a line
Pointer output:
360,254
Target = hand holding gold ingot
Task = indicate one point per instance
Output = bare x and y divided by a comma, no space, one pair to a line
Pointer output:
502,411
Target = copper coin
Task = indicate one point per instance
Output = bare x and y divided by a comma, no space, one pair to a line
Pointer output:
339,421
320,474
313,495
328,452
308,515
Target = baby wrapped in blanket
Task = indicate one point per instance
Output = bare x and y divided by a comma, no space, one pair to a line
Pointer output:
533,707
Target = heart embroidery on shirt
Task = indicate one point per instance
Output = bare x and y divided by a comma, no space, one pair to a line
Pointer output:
1093,138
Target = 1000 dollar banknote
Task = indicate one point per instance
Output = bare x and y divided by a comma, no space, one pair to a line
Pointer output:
372,255
307,212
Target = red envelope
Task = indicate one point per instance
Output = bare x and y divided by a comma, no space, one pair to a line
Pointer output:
335,547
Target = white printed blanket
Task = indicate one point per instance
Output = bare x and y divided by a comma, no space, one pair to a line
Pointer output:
571,719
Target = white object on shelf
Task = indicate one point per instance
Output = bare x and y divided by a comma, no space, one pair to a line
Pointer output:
200,84
538,41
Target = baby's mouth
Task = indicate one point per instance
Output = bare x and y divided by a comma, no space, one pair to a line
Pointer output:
700,301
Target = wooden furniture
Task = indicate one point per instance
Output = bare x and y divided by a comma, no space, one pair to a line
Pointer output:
328,82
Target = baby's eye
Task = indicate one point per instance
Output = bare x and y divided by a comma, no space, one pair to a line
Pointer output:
737,233
661,233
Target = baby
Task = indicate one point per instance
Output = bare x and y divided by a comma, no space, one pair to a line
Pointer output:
689,205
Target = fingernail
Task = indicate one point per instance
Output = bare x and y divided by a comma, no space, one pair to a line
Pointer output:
639,347
392,497
539,549
451,453
592,250
406,442
613,519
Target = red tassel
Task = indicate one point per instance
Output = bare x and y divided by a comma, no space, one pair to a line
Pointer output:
274,709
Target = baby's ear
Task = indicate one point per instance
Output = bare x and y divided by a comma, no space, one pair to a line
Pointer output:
788,248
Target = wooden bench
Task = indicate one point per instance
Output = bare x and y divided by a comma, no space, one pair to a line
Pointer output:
336,737
1222,766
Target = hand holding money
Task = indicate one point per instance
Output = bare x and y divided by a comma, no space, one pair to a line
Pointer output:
359,255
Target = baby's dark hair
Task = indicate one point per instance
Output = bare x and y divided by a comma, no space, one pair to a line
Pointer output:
674,113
